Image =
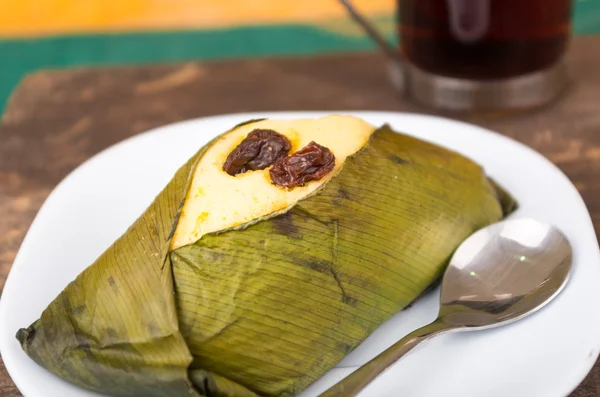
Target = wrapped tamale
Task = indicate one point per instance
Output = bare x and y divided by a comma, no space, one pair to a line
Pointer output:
270,255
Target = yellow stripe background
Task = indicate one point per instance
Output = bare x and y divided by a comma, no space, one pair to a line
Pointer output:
26,18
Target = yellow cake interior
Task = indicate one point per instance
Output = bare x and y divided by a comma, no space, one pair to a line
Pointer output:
217,201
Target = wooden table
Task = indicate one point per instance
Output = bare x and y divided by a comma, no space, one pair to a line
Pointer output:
57,119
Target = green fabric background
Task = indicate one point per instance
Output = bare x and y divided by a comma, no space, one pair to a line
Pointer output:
19,57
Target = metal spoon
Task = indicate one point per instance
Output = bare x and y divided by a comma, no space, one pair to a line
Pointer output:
498,275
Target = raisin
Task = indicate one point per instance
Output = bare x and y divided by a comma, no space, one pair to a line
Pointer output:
257,151
310,163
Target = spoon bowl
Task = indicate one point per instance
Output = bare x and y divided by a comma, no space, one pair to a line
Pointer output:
504,272
498,275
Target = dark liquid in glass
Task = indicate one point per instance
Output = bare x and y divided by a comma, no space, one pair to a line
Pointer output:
484,39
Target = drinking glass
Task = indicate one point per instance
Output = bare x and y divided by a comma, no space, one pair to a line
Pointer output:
464,55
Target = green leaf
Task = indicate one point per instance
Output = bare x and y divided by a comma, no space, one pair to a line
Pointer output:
274,306
115,328
267,310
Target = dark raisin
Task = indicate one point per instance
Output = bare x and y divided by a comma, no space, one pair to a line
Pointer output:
310,163
257,151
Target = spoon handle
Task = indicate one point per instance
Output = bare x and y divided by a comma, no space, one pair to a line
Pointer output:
359,379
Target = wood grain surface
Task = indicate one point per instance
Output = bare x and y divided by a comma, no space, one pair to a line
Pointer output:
57,119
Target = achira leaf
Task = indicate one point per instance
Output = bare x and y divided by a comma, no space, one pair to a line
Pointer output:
268,309
115,329
274,306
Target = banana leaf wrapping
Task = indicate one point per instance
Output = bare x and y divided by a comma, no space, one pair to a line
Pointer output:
267,309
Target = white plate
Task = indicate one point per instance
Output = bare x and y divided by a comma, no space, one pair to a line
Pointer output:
545,355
